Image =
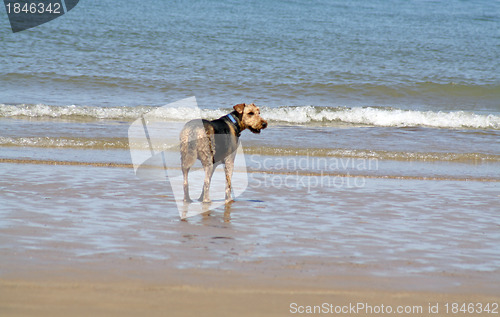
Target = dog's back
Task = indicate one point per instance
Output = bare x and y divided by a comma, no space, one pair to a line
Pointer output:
208,141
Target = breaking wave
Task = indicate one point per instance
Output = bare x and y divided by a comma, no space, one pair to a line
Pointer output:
385,117
299,115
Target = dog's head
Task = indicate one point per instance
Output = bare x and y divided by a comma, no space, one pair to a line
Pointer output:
250,118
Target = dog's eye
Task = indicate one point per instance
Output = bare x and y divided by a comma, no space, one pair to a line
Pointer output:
250,113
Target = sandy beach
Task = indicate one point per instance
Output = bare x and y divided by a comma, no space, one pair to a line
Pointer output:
227,296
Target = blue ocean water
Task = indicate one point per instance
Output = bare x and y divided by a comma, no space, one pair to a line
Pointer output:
390,80
424,55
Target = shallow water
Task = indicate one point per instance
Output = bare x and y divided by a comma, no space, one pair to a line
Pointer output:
420,228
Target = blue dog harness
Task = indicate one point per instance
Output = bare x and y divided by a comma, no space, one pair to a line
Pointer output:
235,122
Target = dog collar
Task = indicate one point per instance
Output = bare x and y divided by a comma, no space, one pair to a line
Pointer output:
232,119
235,122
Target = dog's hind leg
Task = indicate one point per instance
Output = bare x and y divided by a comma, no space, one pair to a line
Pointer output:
209,171
185,172
188,158
202,195
206,154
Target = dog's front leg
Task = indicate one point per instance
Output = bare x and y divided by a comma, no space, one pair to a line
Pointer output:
228,169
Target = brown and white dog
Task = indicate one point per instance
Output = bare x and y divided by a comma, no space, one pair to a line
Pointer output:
215,142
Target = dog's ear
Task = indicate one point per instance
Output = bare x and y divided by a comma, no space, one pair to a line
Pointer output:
239,108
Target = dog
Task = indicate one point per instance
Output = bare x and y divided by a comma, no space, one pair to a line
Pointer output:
215,142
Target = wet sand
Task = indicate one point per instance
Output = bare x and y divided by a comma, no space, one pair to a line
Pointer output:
81,239
126,298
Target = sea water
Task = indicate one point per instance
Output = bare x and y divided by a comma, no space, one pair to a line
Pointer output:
403,94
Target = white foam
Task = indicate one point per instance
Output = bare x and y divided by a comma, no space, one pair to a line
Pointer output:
46,111
124,113
385,117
